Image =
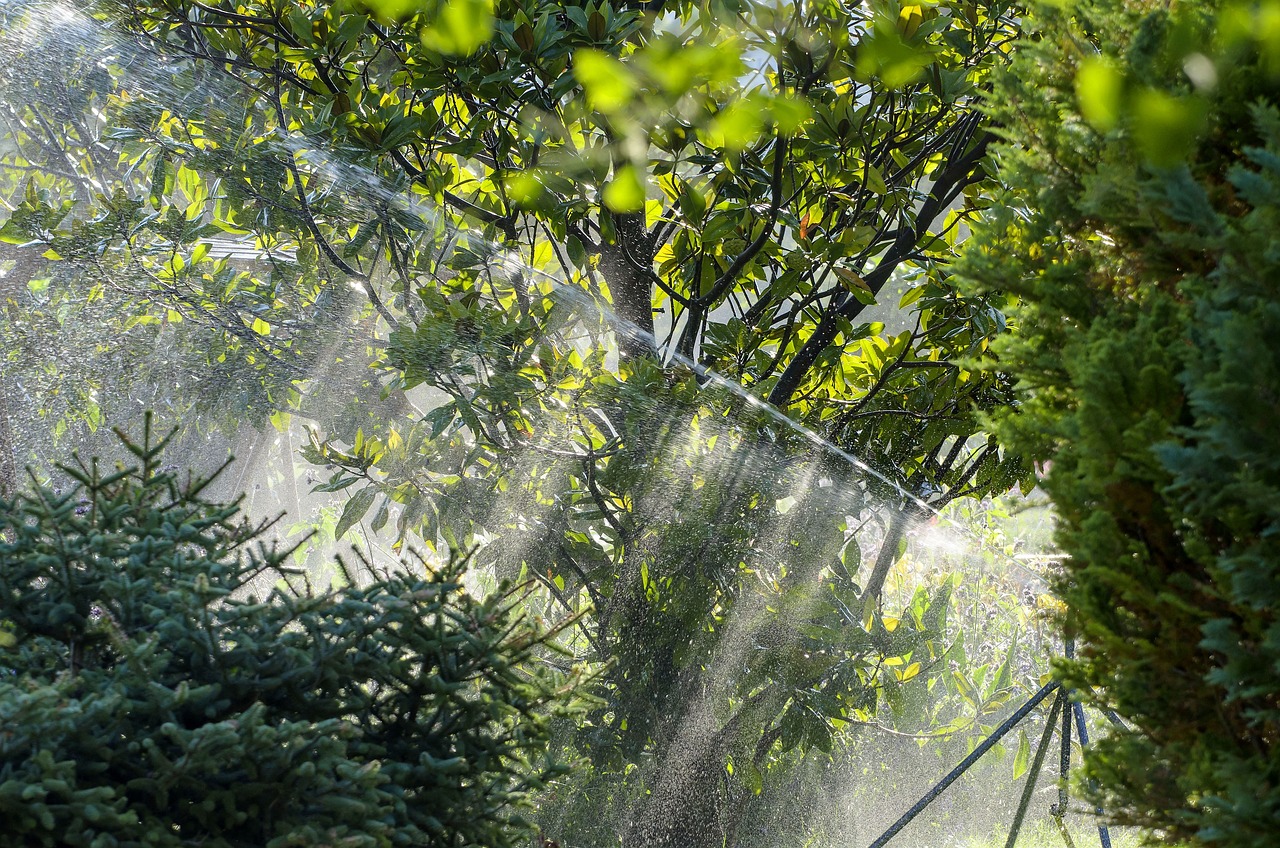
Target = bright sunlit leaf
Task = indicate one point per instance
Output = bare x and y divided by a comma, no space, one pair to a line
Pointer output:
789,113
461,27
626,192
1099,90
523,187
393,10
909,20
738,125
608,84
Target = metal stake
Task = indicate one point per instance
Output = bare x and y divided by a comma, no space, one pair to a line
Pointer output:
986,745
1104,833
1034,772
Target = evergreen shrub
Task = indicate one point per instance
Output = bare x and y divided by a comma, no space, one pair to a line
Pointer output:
151,696
1141,253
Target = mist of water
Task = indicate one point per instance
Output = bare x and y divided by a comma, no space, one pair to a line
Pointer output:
785,495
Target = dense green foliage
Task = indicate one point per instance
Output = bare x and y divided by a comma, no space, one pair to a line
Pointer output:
514,229
165,681
1142,244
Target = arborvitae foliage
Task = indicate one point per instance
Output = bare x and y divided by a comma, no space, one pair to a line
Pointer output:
1146,146
149,697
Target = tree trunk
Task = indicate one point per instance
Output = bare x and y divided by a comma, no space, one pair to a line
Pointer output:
887,556
627,265
684,807
27,262
9,483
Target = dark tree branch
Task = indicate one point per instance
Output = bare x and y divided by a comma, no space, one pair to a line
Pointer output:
948,185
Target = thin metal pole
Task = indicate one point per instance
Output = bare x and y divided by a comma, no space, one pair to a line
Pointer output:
1064,764
986,745
1115,719
1082,732
1034,772
1064,761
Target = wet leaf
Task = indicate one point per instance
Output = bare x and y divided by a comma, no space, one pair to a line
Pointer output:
1023,756
354,510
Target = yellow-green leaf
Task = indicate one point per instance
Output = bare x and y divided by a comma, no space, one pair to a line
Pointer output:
1023,756
738,125
461,27
626,192
873,179
1100,92
608,84
1165,126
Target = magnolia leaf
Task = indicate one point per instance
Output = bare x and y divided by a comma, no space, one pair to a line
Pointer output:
1023,756
380,518
738,125
856,286
625,193
909,20
461,27
354,510
523,187
608,84
884,54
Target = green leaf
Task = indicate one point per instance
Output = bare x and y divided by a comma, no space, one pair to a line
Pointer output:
355,510
886,55
387,11
692,203
738,125
873,179
856,286
608,84
1165,127
910,296
1099,90
523,187
625,193
1004,675
1023,756
380,519
461,28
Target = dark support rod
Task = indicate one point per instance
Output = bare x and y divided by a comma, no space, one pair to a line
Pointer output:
1082,733
1034,772
1115,719
986,745
1064,769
